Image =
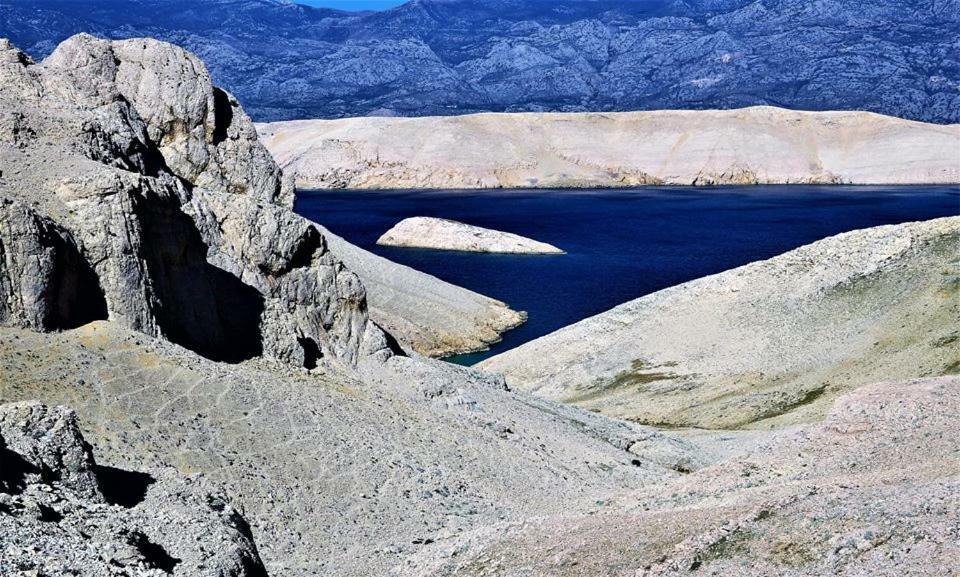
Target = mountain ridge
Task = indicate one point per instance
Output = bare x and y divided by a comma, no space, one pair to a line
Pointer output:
430,57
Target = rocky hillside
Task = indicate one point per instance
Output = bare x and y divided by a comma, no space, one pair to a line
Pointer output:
338,472
154,278
767,344
749,146
869,491
287,61
133,189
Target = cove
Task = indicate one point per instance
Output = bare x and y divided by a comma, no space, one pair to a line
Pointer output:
621,244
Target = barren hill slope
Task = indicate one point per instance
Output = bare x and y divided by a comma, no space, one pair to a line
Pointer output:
760,145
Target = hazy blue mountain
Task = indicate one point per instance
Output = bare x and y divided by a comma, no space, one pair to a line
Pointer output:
283,60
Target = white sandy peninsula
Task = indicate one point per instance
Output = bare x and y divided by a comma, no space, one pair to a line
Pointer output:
443,234
759,145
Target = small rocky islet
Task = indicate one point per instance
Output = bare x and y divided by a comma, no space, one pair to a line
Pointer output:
256,384
444,234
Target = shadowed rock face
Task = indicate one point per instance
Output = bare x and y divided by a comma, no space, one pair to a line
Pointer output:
62,514
136,191
438,57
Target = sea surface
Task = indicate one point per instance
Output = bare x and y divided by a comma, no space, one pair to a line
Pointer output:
621,244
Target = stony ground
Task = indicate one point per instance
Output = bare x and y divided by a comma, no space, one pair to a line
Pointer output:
337,474
63,514
869,491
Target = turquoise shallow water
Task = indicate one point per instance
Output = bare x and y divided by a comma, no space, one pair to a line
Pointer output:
621,244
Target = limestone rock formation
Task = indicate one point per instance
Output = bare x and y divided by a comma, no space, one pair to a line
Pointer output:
133,189
770,343
61,514
760,145
443,234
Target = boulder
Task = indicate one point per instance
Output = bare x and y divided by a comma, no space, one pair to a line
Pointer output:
61,514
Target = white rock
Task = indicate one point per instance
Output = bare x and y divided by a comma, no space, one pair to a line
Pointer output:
443,234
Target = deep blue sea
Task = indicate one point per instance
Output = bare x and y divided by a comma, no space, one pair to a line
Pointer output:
621,244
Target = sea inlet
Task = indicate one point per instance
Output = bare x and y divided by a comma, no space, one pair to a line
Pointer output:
620,244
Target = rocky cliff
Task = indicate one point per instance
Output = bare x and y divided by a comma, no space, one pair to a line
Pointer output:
748,146
133,189
439,57
767,344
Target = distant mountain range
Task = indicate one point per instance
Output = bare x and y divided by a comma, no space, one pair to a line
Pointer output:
427,57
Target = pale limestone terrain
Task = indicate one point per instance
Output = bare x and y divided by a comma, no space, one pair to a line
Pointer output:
424,313
138,210
760,145
232,358
767,344
443,234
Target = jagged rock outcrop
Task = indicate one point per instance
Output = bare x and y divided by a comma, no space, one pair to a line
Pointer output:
443,234
61,514
768,344
760,145
163,202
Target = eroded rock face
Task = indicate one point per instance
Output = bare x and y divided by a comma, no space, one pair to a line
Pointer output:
135,190
62,514
44,281
443,234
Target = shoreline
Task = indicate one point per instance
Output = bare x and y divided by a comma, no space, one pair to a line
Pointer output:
639,188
